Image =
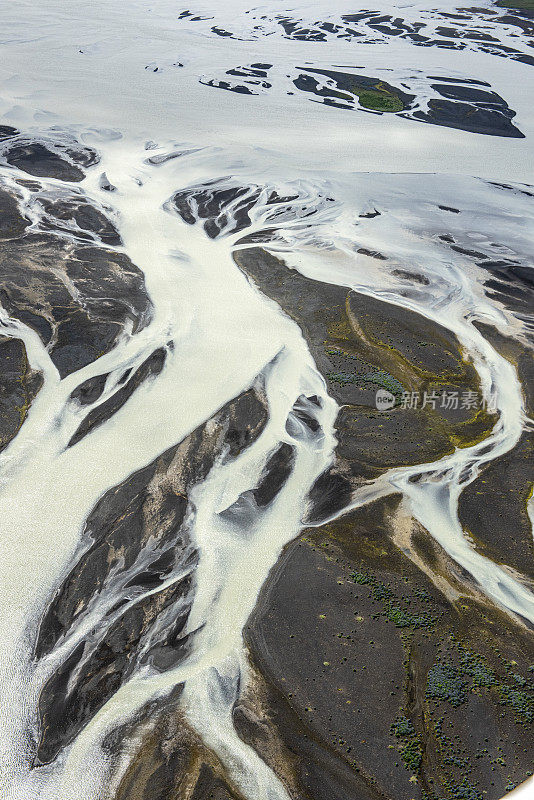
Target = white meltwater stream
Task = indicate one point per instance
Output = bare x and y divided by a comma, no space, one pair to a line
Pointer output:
224,335
83,70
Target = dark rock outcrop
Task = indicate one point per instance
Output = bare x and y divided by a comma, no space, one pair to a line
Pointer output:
76,298
150,367
87,219
18,387
60,158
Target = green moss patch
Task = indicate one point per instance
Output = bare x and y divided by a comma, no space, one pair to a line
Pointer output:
380,101
445,682
394,609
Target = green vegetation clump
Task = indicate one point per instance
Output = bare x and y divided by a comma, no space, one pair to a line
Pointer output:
457,761
403,619
363,578
521,702
410,747
463,791
393,611
451,683
343,378
477,668
422,594
380,101
379,97
383,378
377,378
445,682
402,727
381,592
411,755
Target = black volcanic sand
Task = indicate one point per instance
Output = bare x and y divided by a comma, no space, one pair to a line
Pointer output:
464,107
430,694
522,5
172,762
38,268
76,292
494,508
134,542
64,280
508,280
372,682
62,158
372,93
361,344
466,28
89,220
